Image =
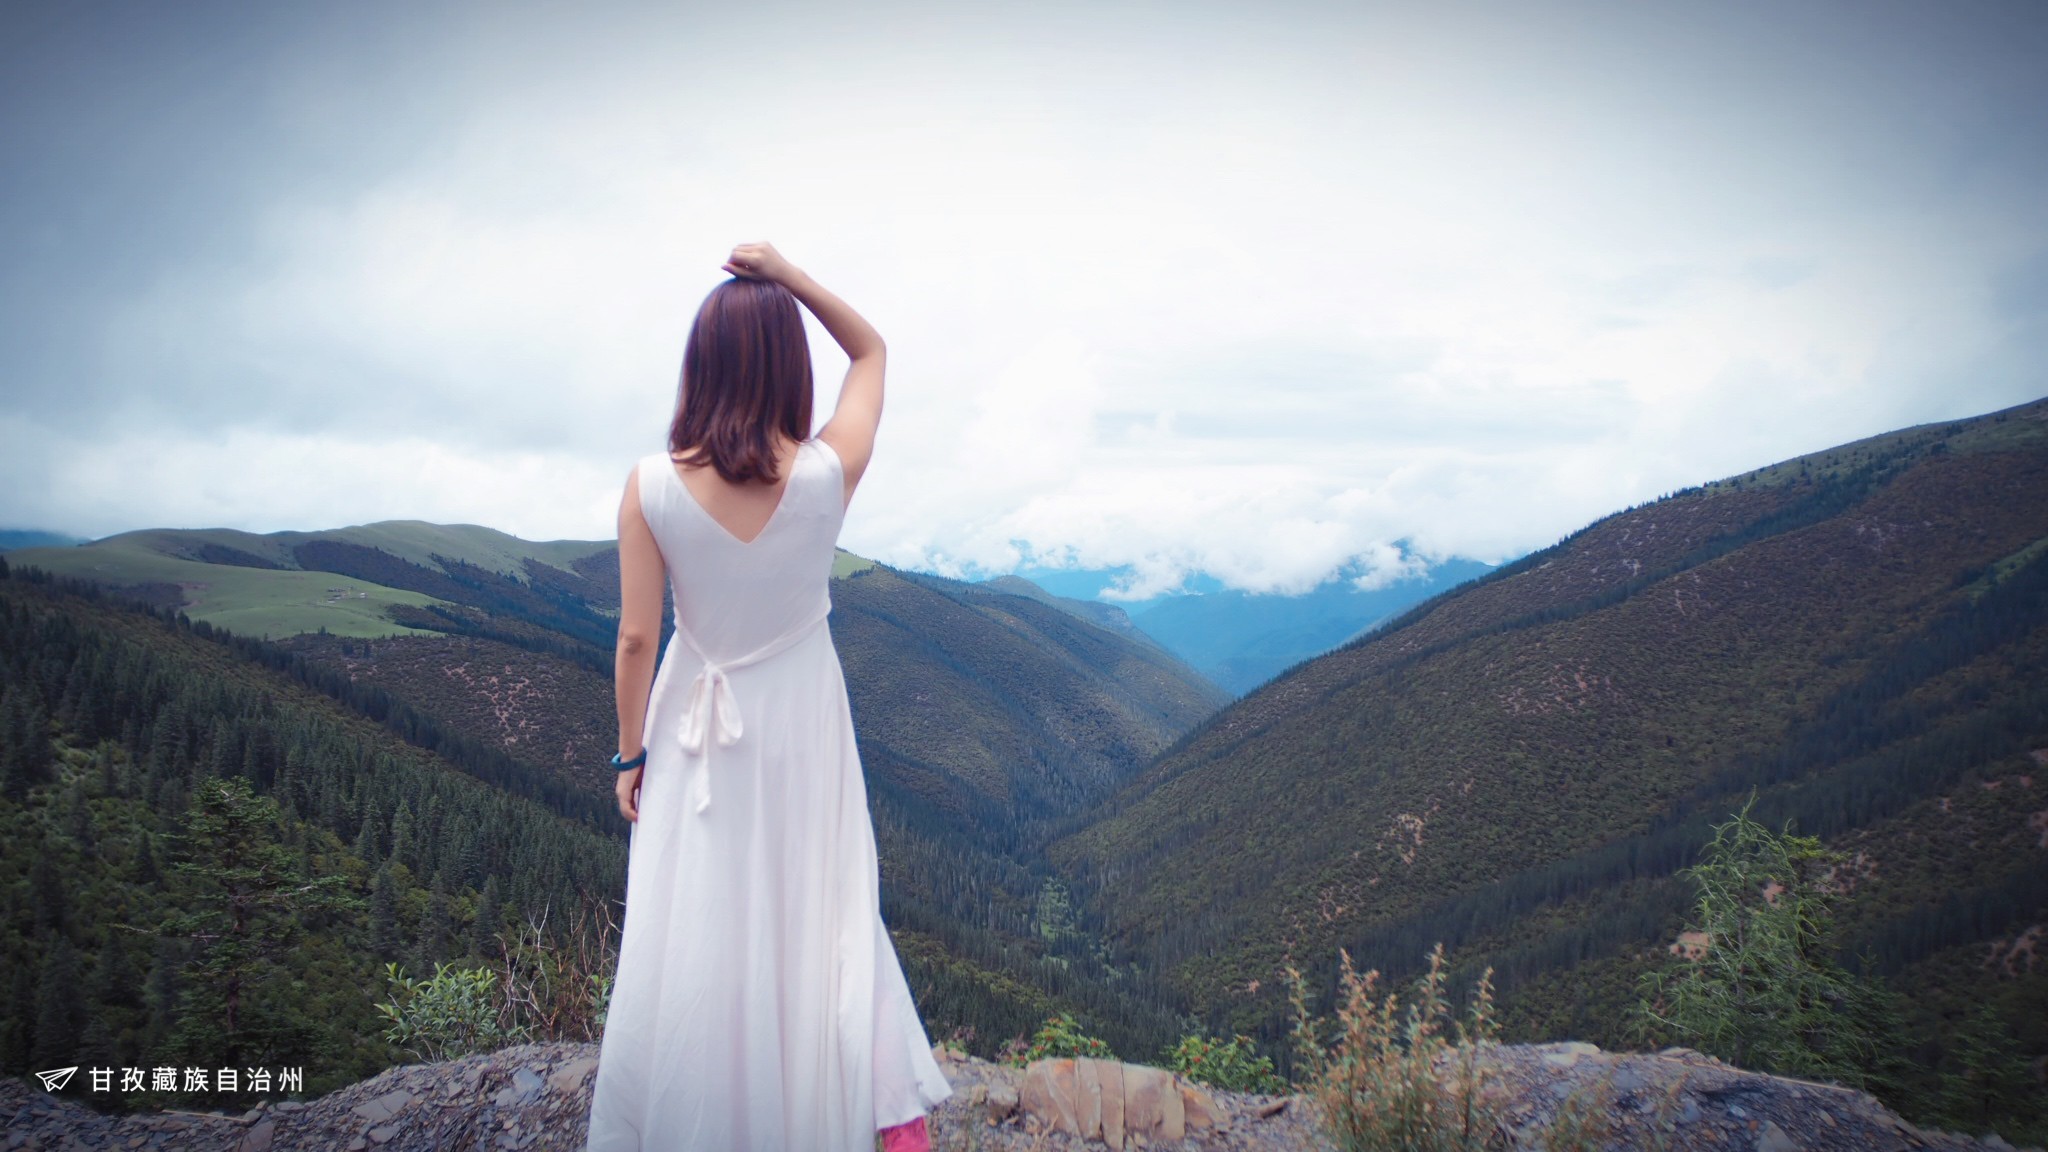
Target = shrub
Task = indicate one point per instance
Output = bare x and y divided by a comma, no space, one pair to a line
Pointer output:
559,988
1380,1081
1766,994
1060,1035
1230,1064
447,1017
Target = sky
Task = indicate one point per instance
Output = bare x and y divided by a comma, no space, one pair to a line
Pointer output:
1247,295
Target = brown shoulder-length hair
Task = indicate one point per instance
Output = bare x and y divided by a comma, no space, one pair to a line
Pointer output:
746,376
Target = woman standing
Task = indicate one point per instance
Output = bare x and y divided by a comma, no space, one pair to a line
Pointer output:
759,1002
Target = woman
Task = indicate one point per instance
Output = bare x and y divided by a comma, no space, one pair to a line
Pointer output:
759,1002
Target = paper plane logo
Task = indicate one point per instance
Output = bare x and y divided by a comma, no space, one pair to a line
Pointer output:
56,1078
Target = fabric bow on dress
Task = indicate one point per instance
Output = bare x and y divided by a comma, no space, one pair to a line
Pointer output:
712,705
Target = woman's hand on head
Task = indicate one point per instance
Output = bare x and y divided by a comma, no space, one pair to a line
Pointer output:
629,793
760,262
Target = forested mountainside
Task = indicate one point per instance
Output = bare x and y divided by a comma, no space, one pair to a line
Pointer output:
151,916
1109,616
983,718
1518,767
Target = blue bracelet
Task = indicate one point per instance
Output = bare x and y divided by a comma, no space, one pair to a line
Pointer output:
629,765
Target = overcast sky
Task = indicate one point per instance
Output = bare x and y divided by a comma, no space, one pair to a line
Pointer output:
1252,291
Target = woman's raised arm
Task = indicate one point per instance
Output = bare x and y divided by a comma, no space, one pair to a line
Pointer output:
851,430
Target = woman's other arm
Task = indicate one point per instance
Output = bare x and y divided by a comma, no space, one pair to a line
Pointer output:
640,574
851,430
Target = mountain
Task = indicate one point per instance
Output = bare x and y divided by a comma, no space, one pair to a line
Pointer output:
13,538
1096,612
135,903
345,581
985,717
1240,639
1518,766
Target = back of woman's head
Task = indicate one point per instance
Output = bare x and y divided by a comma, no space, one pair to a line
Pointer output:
746,378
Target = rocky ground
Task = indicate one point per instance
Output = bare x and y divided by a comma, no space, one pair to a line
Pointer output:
537,1096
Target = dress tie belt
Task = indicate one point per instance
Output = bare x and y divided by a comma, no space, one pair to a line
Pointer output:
712,706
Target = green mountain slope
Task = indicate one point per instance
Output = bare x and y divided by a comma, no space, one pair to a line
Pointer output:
1095,612
1517,767
281,583
113,718
984,717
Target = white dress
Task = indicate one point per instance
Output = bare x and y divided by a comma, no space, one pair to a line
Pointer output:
759,1003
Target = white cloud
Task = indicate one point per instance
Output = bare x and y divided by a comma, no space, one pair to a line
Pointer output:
1181,291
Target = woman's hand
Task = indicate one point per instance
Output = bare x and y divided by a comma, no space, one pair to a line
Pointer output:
761,262
629,793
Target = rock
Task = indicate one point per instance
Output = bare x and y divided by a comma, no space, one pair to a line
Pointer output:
1002,1102
1051,1094
382,1134
1111,1077
1157,1101
256,1139
569,1077
1566,1054
525,1086
1204,1114
1273,1108
1775,1139
1088,1096
383,1107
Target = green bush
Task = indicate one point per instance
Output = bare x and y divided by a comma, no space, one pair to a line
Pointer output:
1230,1064
1060,1035
454,1014
1766,994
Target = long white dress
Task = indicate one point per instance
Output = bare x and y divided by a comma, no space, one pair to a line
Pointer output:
759,1002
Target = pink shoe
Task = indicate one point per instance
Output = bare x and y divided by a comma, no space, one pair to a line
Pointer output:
908,1137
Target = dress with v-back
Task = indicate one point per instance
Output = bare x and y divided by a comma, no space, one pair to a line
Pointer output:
759,1002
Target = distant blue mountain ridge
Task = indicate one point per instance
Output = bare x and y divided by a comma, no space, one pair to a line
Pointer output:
1238,639
12,538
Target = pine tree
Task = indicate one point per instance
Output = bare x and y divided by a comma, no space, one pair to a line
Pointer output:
246,895
114,980
60,1007
438,926
78,822
25,754
161,994
401,836
48,894
17,1031
145,870
367,846
384,937
1985,1078
489,913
